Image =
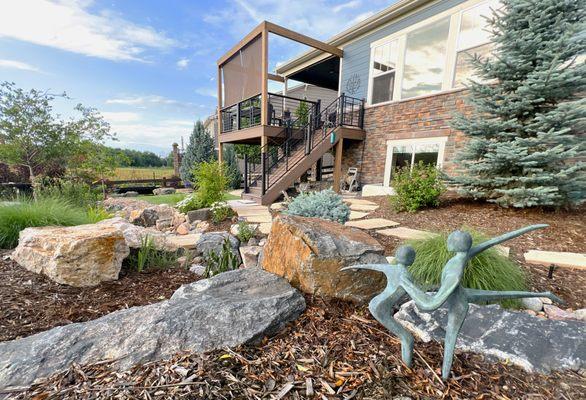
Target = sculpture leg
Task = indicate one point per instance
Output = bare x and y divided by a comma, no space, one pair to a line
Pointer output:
457,310
477,295
383,314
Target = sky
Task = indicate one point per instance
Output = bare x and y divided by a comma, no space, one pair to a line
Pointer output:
149,66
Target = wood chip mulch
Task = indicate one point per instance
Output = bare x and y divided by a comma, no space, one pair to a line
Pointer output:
566,233
32,303
333,351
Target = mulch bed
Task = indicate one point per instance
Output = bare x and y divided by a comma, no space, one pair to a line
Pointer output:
333,351
32,303
566,233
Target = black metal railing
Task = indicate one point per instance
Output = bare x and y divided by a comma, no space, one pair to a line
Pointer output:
298,139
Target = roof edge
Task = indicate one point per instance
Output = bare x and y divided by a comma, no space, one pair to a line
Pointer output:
382,17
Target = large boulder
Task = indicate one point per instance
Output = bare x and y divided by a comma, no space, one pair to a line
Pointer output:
532,343
83,255
227,310
309,253
136,235
213,241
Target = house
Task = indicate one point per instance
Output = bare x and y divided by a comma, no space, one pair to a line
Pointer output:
399,77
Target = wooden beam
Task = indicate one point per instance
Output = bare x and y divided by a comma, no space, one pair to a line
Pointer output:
298,37
220,152
219,110
264,77
247,39
338,165
277,78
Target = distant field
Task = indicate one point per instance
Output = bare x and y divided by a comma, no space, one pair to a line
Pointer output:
127,173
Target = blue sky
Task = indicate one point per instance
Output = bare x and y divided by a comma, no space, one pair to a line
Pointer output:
149,65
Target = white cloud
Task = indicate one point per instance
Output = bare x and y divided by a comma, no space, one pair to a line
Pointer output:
147,100
178,122
159,134
18,65
182,63
69,26
348,5
114,117
210,92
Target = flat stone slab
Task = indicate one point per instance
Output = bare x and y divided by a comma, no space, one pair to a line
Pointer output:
265,228
227,310
363,207
360,201
560,259
176,242
373,223
259,219
532,343
406,233
357,214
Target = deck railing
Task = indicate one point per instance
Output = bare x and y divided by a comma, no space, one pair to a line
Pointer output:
247,113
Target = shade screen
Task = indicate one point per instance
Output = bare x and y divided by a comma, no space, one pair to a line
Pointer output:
242,74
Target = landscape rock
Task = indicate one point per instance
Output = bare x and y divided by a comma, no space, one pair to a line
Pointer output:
532,303
183,229
309,253
213,241
554,312
135,235
534,344
146,217
164,224
83,255
250,255
203,226
198,269
130,193
202,214
252,242
114,204
235,228
164,191
229,309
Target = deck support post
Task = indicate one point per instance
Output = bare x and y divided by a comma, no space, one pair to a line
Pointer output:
338,165
220,152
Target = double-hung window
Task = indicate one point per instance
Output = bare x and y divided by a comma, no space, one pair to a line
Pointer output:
473,38
384,69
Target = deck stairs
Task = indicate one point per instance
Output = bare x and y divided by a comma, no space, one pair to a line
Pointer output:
291,153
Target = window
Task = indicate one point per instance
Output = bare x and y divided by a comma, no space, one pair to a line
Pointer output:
401,153
383,71
425,59
473,38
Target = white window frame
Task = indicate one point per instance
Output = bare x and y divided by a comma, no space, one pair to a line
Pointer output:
439,140
455,14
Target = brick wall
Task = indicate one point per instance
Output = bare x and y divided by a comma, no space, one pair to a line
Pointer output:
417,118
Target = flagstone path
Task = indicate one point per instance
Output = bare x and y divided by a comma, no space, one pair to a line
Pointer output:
559,259
374,223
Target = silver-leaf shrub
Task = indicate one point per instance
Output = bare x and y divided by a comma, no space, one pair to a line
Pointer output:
325,205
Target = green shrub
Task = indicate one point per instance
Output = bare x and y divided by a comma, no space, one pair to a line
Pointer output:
45,211
73,190
325,205
417,188
221,211
245,232
211,182
489,270
225,261
97,214
191,202
149,257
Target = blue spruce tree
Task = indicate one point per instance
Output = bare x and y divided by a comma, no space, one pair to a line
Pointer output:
526,133
199,149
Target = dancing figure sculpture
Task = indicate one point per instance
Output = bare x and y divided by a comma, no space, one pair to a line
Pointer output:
381,306
451,292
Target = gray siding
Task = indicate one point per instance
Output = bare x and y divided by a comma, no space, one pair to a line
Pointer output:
356,60
313,93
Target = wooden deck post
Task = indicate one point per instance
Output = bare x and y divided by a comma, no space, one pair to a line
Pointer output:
220,152
338,165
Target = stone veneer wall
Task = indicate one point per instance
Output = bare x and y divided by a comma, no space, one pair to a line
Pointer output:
418,118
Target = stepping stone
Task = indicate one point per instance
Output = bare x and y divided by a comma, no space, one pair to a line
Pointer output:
406,233
360,201
374,223
265,228
278,206
357,214
363,207
560,259
236,192
259,219
182,241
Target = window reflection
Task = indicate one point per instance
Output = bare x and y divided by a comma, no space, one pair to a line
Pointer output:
384,66
425,57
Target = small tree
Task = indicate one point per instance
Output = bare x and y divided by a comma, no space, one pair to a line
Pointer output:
231,167
199,149
526,142
33,137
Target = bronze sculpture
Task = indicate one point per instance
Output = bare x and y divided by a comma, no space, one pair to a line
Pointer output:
451,292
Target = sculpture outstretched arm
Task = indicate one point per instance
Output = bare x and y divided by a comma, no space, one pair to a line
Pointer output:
373,267
503,238
426,302
477,295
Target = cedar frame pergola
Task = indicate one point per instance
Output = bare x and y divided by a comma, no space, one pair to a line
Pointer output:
262,31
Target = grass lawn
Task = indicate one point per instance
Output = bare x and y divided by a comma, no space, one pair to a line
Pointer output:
128,173
173,199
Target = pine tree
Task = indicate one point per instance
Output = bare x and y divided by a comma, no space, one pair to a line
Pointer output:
199,149
231,167
526,132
